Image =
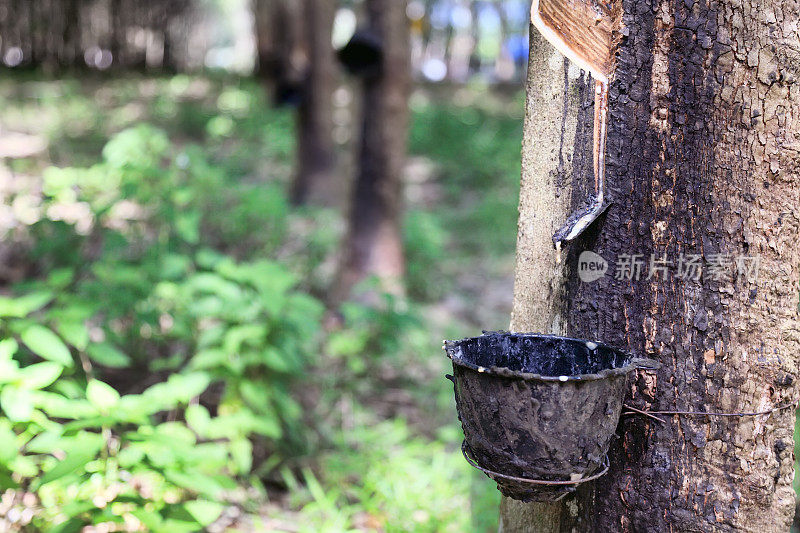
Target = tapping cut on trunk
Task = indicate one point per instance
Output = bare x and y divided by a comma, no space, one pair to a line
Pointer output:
586,32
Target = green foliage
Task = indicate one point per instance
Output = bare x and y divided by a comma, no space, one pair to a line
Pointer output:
478,151
383,477
243,327
146,371
425,242
373,333
79,440
215,342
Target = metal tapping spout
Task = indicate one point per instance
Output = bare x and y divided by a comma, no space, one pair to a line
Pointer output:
586,32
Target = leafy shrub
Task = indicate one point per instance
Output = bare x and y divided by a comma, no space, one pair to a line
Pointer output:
136,375
425,247
372,333
383,477
477,151
89,454
243,327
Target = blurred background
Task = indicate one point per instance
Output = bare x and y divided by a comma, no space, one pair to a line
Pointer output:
234,235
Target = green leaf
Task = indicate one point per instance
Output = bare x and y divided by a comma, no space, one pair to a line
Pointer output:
17,403
175,266
75,333
187,226
198,418
8,347
9,370
151,519
23,305
101,395
251,334
275,360
196,482
174,525
214,284
204,511
6,481
242,454
209,358
73,525
58,406
73,463
40,375
77,508
268,427
209,258
131,456
60,278
46,345
8,442
24,466
179,388
107,355
44,442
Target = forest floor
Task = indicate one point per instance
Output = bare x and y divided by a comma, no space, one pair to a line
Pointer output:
379,442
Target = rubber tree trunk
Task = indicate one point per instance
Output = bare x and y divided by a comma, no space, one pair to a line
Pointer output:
703,158
374,243
118,38
315,150
69,53
269,23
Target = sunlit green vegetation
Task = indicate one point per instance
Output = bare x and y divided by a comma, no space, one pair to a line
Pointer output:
166,357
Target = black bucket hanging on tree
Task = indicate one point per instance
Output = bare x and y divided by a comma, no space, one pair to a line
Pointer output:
538,411
362,56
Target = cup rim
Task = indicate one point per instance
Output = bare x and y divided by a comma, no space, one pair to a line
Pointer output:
451,349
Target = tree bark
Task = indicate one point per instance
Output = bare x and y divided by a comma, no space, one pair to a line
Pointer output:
374,243
553,149
71,54
703,157
315,150
267,27
295,56
281,44
118,38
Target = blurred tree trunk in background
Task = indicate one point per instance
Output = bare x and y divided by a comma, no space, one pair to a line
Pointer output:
270,22
70,53
69,34
374,242
282,58
315,150
295,58
117,36
703,158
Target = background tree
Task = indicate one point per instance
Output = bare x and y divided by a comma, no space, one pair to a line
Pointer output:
315,165
702,159
71,34
278,34
295,56
374,242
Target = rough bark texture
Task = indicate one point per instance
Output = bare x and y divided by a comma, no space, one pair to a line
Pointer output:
553,108
703,158
374,245
315,149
